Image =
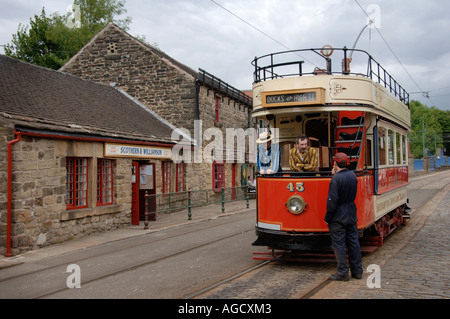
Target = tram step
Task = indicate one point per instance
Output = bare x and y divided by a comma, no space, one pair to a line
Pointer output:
347,136
353,141
355,121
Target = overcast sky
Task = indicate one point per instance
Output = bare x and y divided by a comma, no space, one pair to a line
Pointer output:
202,34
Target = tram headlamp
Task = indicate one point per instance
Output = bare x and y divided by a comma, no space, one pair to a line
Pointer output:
296,204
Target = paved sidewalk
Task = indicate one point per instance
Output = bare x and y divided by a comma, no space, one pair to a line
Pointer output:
164,221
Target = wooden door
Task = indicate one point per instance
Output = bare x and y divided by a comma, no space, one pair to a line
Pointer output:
233,181
135,193
147,185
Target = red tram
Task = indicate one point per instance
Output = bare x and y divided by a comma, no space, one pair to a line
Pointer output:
362,112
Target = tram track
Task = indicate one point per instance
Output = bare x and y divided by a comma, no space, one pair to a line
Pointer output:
113,250
227,280
143,264
53,268
321,282
314,277
413,215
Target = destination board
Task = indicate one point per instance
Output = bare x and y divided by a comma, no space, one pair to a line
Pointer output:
288,98
311,96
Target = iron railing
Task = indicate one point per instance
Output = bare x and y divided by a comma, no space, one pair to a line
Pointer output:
171,202
224,88
275,65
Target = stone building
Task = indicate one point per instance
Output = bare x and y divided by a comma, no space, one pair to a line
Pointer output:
69,153
178,94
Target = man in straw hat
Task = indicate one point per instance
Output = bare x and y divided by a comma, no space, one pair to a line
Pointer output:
269,156
341,219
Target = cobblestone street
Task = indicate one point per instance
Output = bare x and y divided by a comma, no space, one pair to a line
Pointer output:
414,261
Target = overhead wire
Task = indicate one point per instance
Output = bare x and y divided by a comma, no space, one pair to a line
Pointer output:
424,93
396,57
260,31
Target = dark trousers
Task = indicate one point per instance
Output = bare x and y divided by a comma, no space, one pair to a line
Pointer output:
342,238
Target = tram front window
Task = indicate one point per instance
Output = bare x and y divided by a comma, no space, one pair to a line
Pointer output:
312,152
304,157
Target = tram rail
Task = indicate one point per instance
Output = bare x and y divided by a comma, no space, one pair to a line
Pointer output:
143,264
112,253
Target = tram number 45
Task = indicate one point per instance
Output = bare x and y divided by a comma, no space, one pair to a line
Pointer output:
299,186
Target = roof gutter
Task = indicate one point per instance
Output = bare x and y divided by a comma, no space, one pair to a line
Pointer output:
9,195
89,139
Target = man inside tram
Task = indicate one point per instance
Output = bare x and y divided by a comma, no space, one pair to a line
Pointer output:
303,158
269,155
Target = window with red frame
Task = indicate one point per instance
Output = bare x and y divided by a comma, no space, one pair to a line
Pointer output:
180,178
104,182
218,176
217,108
76,182
167,170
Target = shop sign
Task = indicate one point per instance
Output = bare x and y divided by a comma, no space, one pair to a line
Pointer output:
137,151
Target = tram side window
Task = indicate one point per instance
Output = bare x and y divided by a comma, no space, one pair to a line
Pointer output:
404,149
398,148
381,146
391,146
369,153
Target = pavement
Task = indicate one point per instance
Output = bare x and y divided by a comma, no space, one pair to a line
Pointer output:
414,261
163,221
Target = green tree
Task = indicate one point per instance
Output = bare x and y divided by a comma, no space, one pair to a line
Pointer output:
52,41
34,45
431,125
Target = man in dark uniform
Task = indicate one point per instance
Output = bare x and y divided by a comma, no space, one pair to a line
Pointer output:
341,219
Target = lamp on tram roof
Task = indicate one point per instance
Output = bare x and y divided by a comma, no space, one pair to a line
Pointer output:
327,50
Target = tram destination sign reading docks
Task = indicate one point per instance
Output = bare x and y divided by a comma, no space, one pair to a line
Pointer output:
313,96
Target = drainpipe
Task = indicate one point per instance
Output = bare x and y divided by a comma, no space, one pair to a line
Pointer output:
9,196
197,97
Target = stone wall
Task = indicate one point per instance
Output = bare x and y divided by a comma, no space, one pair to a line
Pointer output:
163,85
39,214
140,70
6,135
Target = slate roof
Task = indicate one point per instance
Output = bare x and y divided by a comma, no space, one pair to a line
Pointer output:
42,98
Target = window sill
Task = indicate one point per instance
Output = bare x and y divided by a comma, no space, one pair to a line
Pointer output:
89,212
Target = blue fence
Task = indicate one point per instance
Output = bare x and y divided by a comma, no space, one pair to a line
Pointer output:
434,161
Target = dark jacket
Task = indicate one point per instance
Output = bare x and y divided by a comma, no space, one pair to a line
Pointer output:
341,207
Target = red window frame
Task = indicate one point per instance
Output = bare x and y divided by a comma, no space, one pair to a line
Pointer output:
77,182
104,181
217,108
167,175
180,178
218,175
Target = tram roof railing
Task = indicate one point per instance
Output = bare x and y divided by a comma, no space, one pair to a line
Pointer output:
276,65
